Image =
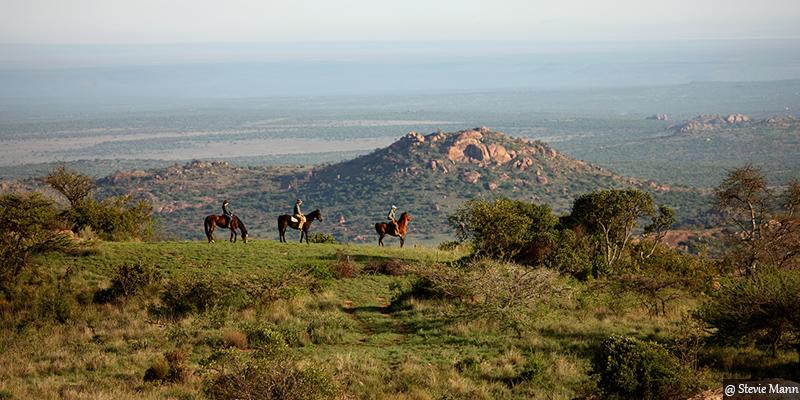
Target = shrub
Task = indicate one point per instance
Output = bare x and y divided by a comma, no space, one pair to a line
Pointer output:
534,370
171,368
504,227
318,237
344,266
265,375
629,368
184,296
30,225
512,294
264,337
760,307
116,218
129,280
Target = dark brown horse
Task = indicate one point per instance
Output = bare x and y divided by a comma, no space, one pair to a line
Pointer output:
286,220
384,229
222,222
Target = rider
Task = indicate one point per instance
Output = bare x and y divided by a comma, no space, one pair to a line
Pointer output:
298,214
226,212
391,217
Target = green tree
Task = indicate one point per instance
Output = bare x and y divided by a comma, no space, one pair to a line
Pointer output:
503,227
31,225
115,218
768,223
72,184
611,216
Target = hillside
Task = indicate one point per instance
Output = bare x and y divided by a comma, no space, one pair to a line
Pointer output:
429,176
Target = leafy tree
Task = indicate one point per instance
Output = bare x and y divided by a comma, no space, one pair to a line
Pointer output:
612,215
31,225
503,227
72,184
115,218
768,223
654,232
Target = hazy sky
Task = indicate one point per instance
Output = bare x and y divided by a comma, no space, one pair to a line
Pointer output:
204,21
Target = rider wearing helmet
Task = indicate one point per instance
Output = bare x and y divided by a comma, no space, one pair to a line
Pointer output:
391,218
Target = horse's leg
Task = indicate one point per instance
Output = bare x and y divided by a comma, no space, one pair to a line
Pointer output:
402,240
233,236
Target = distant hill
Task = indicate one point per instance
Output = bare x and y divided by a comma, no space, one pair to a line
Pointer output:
427,175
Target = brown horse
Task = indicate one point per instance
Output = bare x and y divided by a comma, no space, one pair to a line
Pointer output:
286,220
384,229
222,222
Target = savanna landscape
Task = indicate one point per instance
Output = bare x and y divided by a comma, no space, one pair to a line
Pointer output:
566,253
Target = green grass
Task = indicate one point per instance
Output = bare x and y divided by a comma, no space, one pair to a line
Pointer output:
373,344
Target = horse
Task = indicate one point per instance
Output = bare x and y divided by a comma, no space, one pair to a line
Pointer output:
286,220
384,229
220,221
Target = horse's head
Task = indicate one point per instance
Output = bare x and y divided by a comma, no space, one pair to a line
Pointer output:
317,214
241,228
406,216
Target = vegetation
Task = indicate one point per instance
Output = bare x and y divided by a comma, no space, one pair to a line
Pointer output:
557,286
187,319
115,218
632,369
761,308
768,224
31,225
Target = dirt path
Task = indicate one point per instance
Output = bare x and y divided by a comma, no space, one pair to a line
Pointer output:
379,326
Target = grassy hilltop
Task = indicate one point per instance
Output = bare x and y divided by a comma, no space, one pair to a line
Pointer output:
353,316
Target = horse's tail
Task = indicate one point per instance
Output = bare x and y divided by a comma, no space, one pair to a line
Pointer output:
207,226
378,227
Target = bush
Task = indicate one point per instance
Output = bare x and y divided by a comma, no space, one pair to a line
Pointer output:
115,218
534,370
504,228
632,369
512,294
129,280
171,368
264,337
30,225
320,238
265,375
761,307
184,296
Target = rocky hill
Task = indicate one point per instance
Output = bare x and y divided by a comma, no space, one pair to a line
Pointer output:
710,122
427,175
